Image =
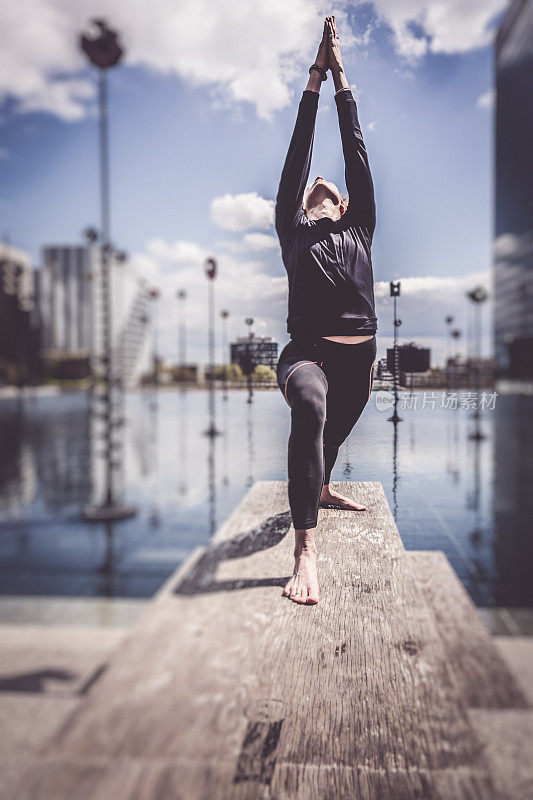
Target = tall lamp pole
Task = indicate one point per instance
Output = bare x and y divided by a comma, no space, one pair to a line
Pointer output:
449,322
224,314
394,293
181,294
477,297
104,51
211,272
456,335
249,322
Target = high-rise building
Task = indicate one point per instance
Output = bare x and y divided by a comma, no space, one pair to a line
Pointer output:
67,291
19,325
513,222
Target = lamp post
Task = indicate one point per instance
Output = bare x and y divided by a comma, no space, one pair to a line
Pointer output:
394,293
249,322
181,294
456,335
224,315
211,272
477,297
104,51
449,322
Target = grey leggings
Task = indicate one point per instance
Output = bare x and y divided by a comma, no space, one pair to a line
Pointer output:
327,385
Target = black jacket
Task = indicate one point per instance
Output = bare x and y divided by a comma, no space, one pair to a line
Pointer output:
329,264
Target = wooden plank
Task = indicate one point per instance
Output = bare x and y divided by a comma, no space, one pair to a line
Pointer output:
249,695
507,735
484,676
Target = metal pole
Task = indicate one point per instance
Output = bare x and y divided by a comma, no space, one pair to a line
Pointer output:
106,286
211,269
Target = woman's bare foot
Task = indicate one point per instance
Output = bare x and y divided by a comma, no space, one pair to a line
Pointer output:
331,497
303,586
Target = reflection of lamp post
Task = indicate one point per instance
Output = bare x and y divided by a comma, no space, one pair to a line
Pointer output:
104,51
211,272
181,294
394,293
477,297
224,314
249,322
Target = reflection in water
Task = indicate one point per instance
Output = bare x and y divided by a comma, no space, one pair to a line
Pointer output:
44,456
154,457
452,446
347,470
225,441
182,443
470,498
395,420
212,483
250,410
513,500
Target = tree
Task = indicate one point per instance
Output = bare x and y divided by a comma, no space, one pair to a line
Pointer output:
262,373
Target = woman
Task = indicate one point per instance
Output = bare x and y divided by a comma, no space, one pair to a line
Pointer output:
325,372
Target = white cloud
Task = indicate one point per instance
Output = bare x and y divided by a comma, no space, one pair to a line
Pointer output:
356,91
259,241
178,254
248,51
241,212
487,99
372,125
449,26
250,241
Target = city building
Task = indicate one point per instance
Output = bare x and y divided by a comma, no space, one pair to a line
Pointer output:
411,358
19,322
67,290
249,351
70,300
513,209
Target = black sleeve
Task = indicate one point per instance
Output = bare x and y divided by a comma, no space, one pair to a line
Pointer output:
361,205
297,165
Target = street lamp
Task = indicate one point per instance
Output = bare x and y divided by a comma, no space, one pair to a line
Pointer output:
103,49
456,335
449,322
211,267
249,322
394,293
477,297
224,314
181,294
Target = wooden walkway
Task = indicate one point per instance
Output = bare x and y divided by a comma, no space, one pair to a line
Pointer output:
226,689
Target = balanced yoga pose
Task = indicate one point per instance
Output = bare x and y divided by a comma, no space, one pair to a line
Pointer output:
325,372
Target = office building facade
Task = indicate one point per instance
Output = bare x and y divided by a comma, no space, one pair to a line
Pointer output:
513,209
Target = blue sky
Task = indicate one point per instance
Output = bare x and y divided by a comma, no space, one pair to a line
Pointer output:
180,141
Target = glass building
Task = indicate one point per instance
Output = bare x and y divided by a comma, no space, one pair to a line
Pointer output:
513,210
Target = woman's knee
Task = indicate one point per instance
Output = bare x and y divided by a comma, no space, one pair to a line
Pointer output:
308,404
